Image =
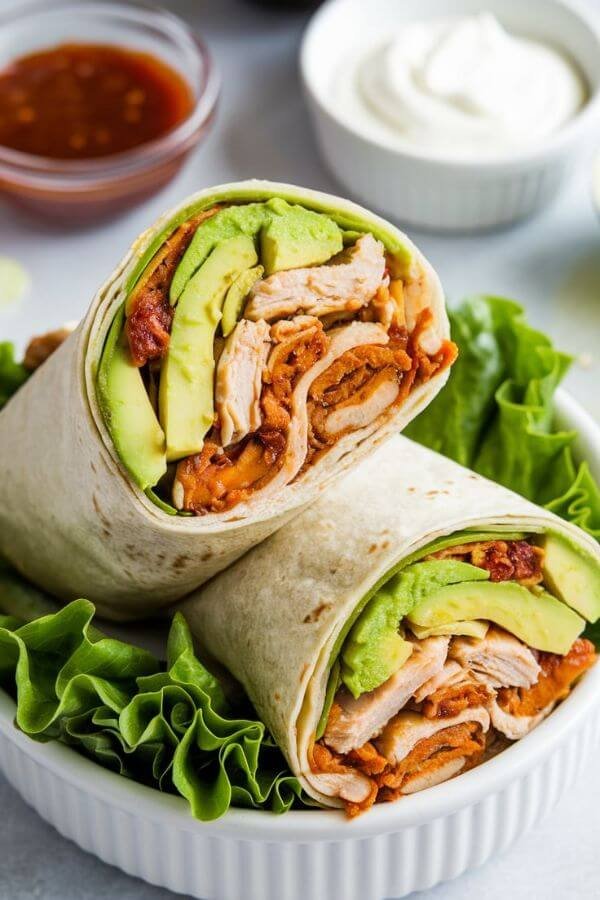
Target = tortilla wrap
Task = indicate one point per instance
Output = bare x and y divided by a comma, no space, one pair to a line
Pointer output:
275,619
73,521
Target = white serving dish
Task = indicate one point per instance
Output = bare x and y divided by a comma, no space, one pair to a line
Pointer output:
390,851
429,192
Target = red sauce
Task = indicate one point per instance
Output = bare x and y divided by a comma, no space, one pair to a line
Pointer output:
79,101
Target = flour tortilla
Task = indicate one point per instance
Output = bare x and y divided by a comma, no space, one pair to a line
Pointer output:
71,519
273,618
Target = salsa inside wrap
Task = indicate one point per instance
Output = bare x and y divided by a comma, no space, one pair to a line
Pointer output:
417,620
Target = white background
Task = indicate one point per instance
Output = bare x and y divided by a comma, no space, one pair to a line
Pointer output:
551,264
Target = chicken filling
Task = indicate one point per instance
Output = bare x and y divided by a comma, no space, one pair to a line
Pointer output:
457,692
283,361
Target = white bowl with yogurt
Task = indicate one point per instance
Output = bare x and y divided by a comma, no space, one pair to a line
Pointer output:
453,114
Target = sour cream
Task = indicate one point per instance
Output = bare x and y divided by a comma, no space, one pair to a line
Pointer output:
460,88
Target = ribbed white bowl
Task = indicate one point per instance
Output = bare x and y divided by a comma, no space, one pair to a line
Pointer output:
315,855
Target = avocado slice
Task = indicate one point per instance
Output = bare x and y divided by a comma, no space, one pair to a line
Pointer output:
185,397
573,574
471,628
236,297
290,236
295,237
128,413
374,648
538,619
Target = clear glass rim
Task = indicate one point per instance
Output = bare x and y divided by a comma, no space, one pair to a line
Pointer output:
69,172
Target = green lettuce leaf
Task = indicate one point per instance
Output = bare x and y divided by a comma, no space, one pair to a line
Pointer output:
496,413
169,725
12,373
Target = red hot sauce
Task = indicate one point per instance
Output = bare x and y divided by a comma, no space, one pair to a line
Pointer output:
81,101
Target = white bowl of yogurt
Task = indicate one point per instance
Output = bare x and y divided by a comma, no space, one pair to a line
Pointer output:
453,114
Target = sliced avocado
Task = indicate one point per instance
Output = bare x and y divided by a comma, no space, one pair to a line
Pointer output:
296,237
297,234
228,223
538,619
472,628
186,406
374,649
236,297
369,659
573,574
130,419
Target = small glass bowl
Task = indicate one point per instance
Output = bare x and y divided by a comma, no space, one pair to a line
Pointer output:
84,190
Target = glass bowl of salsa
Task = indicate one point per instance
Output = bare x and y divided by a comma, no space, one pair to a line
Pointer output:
101,106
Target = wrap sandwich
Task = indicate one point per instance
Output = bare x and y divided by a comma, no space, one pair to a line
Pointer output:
252,345
410,623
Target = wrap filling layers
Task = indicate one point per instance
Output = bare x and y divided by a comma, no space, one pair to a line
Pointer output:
254,340
474,643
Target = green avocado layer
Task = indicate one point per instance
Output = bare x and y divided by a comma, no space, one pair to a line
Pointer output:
128,413
446,596
186,393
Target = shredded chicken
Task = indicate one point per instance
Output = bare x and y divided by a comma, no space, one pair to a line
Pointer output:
239,380
499,659
354,721
150,316
408,729
450,748
450,699
346,283
412,753
217,479
335,779
557,674
42,346
451,673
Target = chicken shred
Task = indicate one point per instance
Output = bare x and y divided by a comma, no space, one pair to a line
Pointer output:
554,683
498,659
353,722
346,283
239,380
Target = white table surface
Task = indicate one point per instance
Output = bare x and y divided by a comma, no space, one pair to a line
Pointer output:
551,264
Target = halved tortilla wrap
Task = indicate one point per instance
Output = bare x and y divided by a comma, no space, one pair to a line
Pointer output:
253,344
400,627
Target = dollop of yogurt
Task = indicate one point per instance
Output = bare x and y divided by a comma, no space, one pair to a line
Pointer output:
462,88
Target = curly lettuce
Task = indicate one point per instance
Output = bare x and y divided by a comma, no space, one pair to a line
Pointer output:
496,413
167,725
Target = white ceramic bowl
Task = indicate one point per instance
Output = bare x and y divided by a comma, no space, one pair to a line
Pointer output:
392,850
430,192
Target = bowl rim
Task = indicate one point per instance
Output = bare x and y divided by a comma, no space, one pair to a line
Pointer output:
552,144
304,826
70,172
